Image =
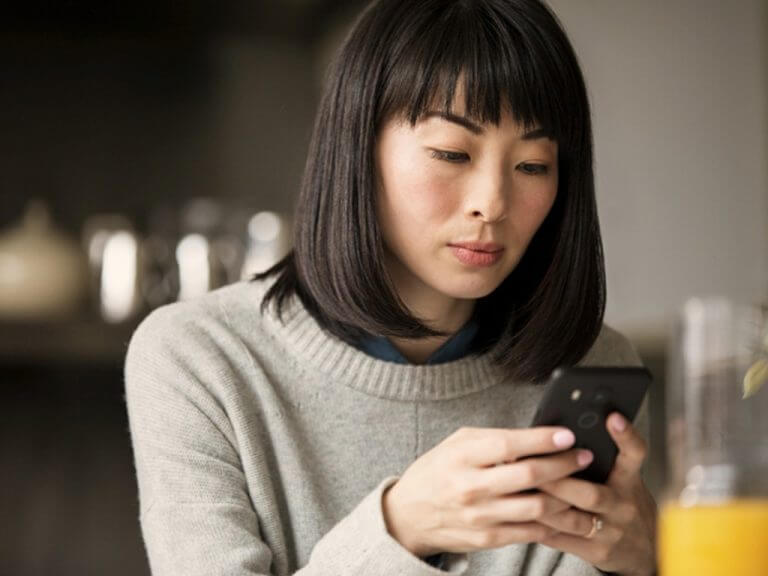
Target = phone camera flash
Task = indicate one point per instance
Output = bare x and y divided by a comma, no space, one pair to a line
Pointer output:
575,395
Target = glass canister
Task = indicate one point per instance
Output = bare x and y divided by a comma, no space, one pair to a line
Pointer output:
714,510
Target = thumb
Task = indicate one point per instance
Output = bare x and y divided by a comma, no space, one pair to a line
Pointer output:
632,448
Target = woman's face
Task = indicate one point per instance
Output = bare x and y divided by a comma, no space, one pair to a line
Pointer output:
449,181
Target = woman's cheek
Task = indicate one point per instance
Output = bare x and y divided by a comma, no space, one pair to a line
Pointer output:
430,197
546,203
533,205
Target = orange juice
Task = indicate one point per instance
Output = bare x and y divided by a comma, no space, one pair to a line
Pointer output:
714,540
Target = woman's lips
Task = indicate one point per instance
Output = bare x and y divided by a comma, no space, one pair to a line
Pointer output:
474,257
479,246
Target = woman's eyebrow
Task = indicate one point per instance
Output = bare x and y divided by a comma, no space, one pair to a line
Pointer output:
460,120
535,134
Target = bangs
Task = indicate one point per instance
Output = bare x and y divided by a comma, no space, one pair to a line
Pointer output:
475,49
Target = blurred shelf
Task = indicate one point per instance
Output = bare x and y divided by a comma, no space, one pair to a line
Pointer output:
78,341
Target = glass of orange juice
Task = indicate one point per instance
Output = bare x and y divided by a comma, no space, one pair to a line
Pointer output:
714,509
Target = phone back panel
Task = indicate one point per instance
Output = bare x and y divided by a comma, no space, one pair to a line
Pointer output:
581,399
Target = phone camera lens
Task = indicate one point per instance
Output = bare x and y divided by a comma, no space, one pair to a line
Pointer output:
588,420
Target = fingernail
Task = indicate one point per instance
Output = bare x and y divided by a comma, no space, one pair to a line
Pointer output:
564,438
584,457
618,423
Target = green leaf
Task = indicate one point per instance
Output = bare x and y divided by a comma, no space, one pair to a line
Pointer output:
755,377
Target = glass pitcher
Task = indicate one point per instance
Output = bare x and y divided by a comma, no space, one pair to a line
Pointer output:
714,510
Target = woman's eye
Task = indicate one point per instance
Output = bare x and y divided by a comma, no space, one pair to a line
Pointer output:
534,169
447,156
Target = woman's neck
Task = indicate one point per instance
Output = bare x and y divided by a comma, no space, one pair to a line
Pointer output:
436,310
439,313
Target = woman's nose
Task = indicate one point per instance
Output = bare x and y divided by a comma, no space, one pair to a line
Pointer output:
487,201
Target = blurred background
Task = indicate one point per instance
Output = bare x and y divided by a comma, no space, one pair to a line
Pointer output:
152,151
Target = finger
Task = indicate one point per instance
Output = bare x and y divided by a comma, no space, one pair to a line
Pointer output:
569,521
531,472
582,494
586,548
632,448
514,533
491,446
517,508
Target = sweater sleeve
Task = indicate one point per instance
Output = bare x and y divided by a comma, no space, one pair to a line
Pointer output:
195,510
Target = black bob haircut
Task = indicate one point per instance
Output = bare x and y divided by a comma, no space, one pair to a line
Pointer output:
400,58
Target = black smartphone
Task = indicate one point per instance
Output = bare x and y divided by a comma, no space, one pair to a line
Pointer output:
581,398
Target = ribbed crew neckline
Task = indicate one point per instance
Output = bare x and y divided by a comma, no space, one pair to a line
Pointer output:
317,349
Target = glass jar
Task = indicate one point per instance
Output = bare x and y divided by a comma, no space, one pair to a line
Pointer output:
714,509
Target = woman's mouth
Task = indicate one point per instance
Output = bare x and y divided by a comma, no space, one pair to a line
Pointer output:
476,253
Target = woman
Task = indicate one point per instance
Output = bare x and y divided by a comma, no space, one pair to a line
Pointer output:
362,408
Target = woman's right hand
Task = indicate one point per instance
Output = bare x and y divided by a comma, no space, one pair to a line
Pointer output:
465,493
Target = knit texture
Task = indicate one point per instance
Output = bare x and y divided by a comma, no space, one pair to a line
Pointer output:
264,447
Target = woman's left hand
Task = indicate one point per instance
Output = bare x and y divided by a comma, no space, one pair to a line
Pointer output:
626,543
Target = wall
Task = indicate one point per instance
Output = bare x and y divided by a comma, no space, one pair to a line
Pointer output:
680,104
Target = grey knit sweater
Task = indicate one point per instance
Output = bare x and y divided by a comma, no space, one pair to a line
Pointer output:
264,448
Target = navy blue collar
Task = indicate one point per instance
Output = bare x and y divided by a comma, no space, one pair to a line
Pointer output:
456,347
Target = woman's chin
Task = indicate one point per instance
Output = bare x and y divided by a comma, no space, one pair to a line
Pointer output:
470,288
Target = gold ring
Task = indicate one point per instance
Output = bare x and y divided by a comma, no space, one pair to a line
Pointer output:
597,525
